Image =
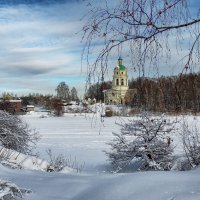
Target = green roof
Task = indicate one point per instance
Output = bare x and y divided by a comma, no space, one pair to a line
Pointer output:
122,67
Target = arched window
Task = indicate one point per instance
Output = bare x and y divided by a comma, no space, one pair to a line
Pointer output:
122,81
117,81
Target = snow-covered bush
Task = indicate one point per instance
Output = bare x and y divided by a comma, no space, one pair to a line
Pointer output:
181,163
15,134
9,191
191,143
59,162
145,140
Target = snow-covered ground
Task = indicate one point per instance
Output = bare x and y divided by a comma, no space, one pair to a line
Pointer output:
139,186
80,136
83,137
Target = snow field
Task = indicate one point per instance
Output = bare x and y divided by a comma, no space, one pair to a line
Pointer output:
81,137
84,137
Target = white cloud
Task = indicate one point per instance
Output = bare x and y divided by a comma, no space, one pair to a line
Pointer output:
40,47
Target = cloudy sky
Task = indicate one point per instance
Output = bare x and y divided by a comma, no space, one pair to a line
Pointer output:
39,45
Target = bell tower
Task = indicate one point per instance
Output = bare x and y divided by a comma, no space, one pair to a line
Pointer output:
117,94
120,77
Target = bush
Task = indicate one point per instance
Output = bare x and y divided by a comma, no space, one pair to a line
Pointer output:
10,191
146,140
57,106
15,134
191,143
59,162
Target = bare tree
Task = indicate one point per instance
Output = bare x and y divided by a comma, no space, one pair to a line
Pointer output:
63,91
172,94
144,28
96,90
15,134
74,94
57,106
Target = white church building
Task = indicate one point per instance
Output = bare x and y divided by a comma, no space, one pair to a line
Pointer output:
120,88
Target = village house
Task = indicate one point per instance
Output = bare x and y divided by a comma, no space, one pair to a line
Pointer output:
11,106
30,108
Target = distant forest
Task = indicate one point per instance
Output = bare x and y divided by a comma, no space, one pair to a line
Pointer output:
165,94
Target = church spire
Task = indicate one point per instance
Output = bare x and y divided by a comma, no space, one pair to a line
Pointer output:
120,61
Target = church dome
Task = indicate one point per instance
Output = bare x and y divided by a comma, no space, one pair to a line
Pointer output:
120,66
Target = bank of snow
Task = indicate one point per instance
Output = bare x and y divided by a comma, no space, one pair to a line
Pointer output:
138,186
14,159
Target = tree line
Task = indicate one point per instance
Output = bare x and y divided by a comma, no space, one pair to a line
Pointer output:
63,92
172,94
165,94
51,102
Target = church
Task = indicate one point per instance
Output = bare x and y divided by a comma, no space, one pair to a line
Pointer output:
120,90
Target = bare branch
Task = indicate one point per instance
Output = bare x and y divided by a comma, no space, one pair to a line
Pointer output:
145,24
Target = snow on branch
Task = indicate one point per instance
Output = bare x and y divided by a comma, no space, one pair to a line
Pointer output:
146,139
9,190
16,134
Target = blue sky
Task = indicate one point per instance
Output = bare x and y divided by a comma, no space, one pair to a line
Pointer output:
40,47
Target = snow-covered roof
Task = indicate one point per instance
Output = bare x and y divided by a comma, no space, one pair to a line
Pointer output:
30,106
13,101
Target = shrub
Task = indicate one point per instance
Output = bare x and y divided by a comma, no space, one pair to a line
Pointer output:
10,191
146,140
59,162
191,143
15,134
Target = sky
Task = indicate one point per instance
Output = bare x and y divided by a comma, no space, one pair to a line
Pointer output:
41,45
